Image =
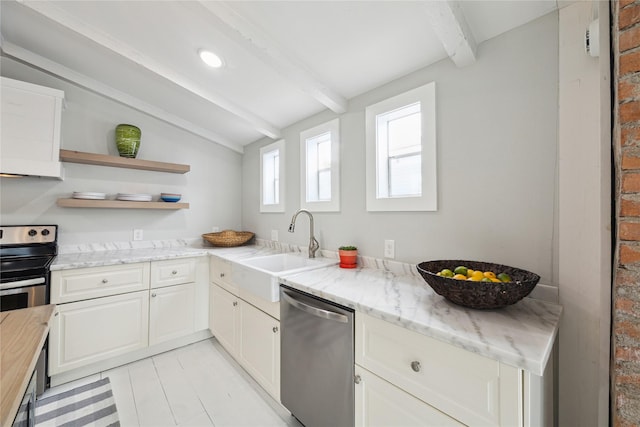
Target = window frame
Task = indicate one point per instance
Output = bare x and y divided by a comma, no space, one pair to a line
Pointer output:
280,147
427,201
333,205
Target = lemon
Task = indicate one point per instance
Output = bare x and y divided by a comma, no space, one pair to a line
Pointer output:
504,277
477,275
446,273
461,270
460,277
489,274
494,280
486,279
470,272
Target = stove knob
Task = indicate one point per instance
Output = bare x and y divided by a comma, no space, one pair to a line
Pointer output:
32,232
45,232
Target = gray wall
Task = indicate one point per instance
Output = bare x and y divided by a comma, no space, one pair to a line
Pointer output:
497,158
212,187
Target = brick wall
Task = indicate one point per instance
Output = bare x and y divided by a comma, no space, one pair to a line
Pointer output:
625,368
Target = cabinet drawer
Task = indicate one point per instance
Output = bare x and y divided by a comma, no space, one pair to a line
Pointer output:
173,272
471,388
220,273
85,283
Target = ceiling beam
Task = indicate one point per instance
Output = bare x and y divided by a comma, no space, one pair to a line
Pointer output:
56,14
255,41
16,52
447,20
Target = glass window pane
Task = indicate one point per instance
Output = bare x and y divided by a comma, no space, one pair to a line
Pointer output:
270,179
324,185
404,135
405,176
324,154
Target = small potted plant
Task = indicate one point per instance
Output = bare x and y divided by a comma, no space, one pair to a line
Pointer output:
348,256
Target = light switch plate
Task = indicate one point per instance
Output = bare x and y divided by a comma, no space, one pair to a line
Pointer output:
137,234
274,235
215,229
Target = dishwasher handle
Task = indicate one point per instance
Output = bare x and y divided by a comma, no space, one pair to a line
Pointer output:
318,312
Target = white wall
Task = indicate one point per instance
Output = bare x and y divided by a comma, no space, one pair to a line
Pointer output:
497,159
212,187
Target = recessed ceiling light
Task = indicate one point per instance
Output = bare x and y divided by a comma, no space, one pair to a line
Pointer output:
210,58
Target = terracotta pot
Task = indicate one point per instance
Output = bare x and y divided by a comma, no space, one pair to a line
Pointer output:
348,259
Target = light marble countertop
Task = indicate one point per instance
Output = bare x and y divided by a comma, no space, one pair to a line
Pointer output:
520,335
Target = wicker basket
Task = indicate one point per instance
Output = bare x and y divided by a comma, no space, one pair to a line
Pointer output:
228,238
481,295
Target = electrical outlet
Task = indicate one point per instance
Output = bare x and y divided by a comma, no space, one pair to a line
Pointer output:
274,235
390,249
215,229
137,234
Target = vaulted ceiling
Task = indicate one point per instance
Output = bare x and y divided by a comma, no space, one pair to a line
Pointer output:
283,60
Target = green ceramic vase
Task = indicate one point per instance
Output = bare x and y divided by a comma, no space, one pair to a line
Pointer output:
128,140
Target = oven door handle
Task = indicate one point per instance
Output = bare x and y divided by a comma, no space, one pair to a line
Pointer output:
315,311
22,283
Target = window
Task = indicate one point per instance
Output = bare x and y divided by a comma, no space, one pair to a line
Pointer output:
320,167
401,152
272,177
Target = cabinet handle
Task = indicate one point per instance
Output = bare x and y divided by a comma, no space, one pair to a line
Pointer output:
153,294
235,303
174,272
56,313
275,329
357,379
221,274
415,365
105,281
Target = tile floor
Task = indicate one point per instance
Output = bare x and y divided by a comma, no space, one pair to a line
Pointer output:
196,385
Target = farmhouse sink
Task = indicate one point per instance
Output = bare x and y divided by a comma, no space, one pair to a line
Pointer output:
260,275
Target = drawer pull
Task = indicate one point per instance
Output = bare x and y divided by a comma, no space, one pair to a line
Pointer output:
174,272
221,274
153,294
357,379
105,281
235,303
415,365
275,329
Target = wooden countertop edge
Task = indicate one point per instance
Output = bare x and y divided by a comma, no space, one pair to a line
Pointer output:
22,334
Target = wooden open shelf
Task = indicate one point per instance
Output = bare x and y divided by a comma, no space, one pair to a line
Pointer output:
119,204
121,162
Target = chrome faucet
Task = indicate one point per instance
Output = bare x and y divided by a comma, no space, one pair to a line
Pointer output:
313,243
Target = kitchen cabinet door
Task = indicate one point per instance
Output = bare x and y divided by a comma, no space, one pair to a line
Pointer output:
259,347
224,318
171,312
379,403
98,329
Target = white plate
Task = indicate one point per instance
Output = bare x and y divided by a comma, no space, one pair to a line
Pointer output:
134,199
89,195
134,195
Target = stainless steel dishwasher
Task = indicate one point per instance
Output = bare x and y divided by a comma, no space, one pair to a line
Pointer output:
317,360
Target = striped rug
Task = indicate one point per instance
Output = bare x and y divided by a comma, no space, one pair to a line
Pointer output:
87,405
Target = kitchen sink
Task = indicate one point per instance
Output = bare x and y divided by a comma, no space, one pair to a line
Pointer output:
260,275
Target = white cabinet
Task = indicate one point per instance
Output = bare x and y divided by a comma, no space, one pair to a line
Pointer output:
381,404
31,117
248,332
124,312
470,388
224,317
171,312
259,347
89,331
